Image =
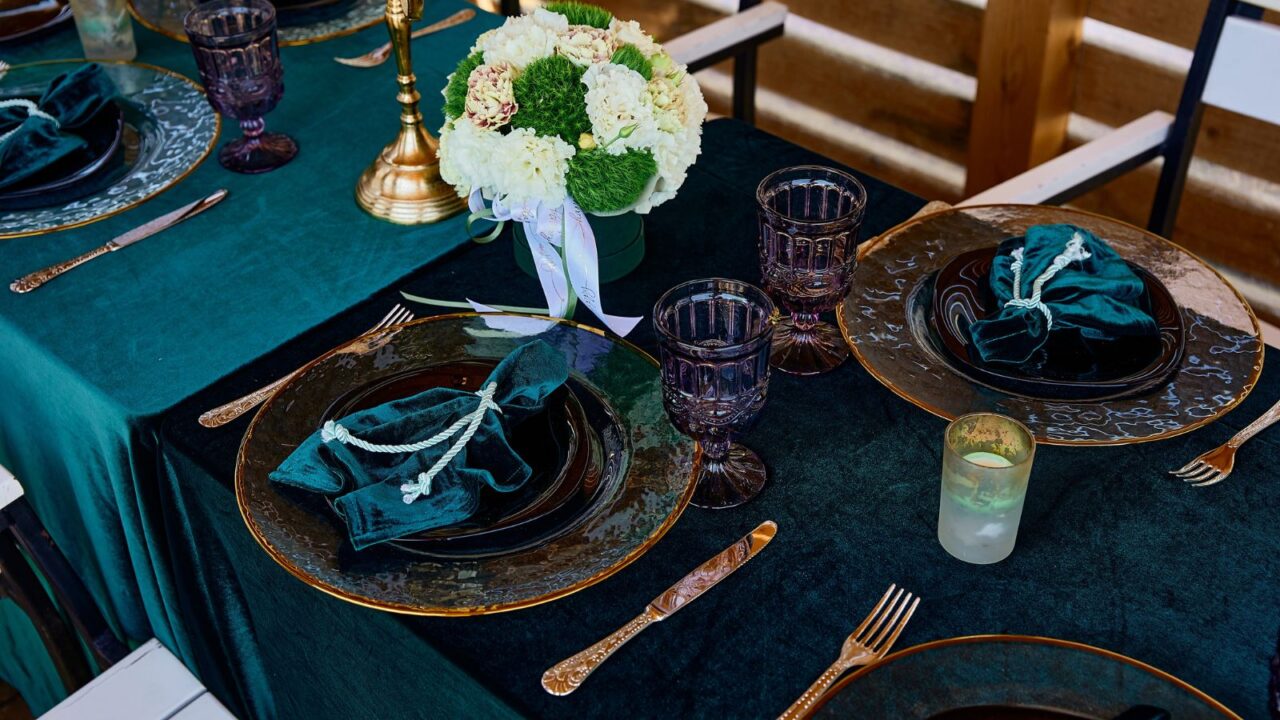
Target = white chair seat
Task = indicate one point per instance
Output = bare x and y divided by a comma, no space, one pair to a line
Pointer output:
149,684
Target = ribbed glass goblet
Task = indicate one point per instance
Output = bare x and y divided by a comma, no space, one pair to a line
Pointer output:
809,220
713,346
238,56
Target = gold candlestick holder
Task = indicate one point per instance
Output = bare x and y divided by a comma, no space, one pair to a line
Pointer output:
403,184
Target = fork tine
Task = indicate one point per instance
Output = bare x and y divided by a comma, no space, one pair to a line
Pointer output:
872,615
1211,480
1198,474
390,314
894,621
1197,469
897,630
397,317
880,621
1186,468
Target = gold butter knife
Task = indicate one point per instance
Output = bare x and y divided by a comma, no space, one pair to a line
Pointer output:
567,675
379,55
30,282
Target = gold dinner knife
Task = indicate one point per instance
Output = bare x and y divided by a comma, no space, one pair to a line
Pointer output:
566,676
27,283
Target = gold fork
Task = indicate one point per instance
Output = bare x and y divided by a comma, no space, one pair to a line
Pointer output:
1214,466
379,55
868,644
224,414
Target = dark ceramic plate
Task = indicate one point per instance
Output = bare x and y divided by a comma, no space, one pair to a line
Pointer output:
1014,677
593,525
558,444
20,19
1061,370
74,176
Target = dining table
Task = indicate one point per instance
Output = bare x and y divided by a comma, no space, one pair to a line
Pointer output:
106,371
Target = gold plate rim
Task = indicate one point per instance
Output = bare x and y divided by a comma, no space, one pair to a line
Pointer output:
884,237
213,142
469,611
153,27
1027,640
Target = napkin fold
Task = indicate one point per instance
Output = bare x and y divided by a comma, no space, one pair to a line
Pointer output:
34,135
1059,280
381,495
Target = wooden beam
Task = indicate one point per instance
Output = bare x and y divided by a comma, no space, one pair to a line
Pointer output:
1025,79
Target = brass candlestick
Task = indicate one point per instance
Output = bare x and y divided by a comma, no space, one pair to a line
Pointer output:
403,184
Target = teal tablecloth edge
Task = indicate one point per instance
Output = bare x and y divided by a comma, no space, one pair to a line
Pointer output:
92,359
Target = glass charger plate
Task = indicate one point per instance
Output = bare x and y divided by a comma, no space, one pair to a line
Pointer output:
1014,671
169,130
886,325
337,20
646,485
32,17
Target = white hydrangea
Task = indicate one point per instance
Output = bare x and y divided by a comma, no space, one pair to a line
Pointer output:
617,99
674,153
522,39
628,32
531,167
466,155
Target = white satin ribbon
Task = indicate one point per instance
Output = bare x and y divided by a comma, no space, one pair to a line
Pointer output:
564,227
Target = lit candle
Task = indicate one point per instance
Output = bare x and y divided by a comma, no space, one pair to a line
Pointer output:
986,459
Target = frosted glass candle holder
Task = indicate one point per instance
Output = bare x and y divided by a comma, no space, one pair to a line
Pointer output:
986,463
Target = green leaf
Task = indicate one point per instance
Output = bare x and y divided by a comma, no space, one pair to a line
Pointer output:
582,14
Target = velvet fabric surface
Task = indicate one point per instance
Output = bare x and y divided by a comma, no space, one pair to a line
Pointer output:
1111,551
92,361
1060,280
369,486
39,141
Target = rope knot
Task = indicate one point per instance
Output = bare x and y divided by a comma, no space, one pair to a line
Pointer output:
1072,253
468,425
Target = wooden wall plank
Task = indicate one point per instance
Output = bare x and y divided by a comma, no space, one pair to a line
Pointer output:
1024,87
933,122
1174,21
944,32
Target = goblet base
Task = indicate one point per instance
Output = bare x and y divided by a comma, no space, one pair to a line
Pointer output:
813,350
259,154
730,481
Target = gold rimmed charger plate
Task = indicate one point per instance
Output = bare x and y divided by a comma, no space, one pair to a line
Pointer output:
165,17
1021,671
884,320
169,130
647,483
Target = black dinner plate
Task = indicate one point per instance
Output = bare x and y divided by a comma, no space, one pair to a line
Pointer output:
74,176
1063,369
558,444
20,18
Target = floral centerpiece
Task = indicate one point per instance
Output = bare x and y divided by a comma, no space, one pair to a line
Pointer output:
562,113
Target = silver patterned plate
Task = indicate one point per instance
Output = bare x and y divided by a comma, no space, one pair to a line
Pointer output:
169,130
645,477
165,17
884,320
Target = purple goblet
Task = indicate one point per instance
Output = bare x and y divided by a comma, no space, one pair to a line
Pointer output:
238,55
713,347
809,220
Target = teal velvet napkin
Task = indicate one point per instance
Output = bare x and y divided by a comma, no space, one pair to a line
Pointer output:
379,494
37,142
1059,280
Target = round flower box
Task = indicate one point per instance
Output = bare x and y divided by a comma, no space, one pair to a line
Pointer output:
619,242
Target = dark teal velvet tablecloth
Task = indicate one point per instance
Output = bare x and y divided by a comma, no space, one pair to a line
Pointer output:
92,360
1112,551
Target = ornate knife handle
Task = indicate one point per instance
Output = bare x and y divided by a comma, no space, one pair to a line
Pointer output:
224,414
567,675
805,702
30,282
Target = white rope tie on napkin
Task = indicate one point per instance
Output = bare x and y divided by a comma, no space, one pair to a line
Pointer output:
1075,251
32,109
422,486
